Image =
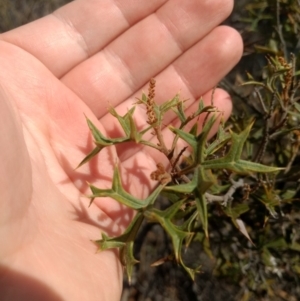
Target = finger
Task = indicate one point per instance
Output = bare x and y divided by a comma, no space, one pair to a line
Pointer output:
143,51
193,75
78,30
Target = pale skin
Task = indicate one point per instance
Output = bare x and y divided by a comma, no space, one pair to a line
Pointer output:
80,60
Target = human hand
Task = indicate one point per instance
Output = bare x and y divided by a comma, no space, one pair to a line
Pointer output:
83,58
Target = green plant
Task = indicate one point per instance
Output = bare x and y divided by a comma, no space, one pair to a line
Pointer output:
273,200
217,167
277,21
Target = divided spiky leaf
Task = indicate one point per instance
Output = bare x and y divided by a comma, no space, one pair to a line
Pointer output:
124,121
232,160
118,193
164,218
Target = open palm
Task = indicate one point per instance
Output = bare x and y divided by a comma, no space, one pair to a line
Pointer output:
85,57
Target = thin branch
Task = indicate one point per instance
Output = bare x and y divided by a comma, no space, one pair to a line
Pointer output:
224,199
261,100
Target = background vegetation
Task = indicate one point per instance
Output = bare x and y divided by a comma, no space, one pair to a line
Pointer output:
234,268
